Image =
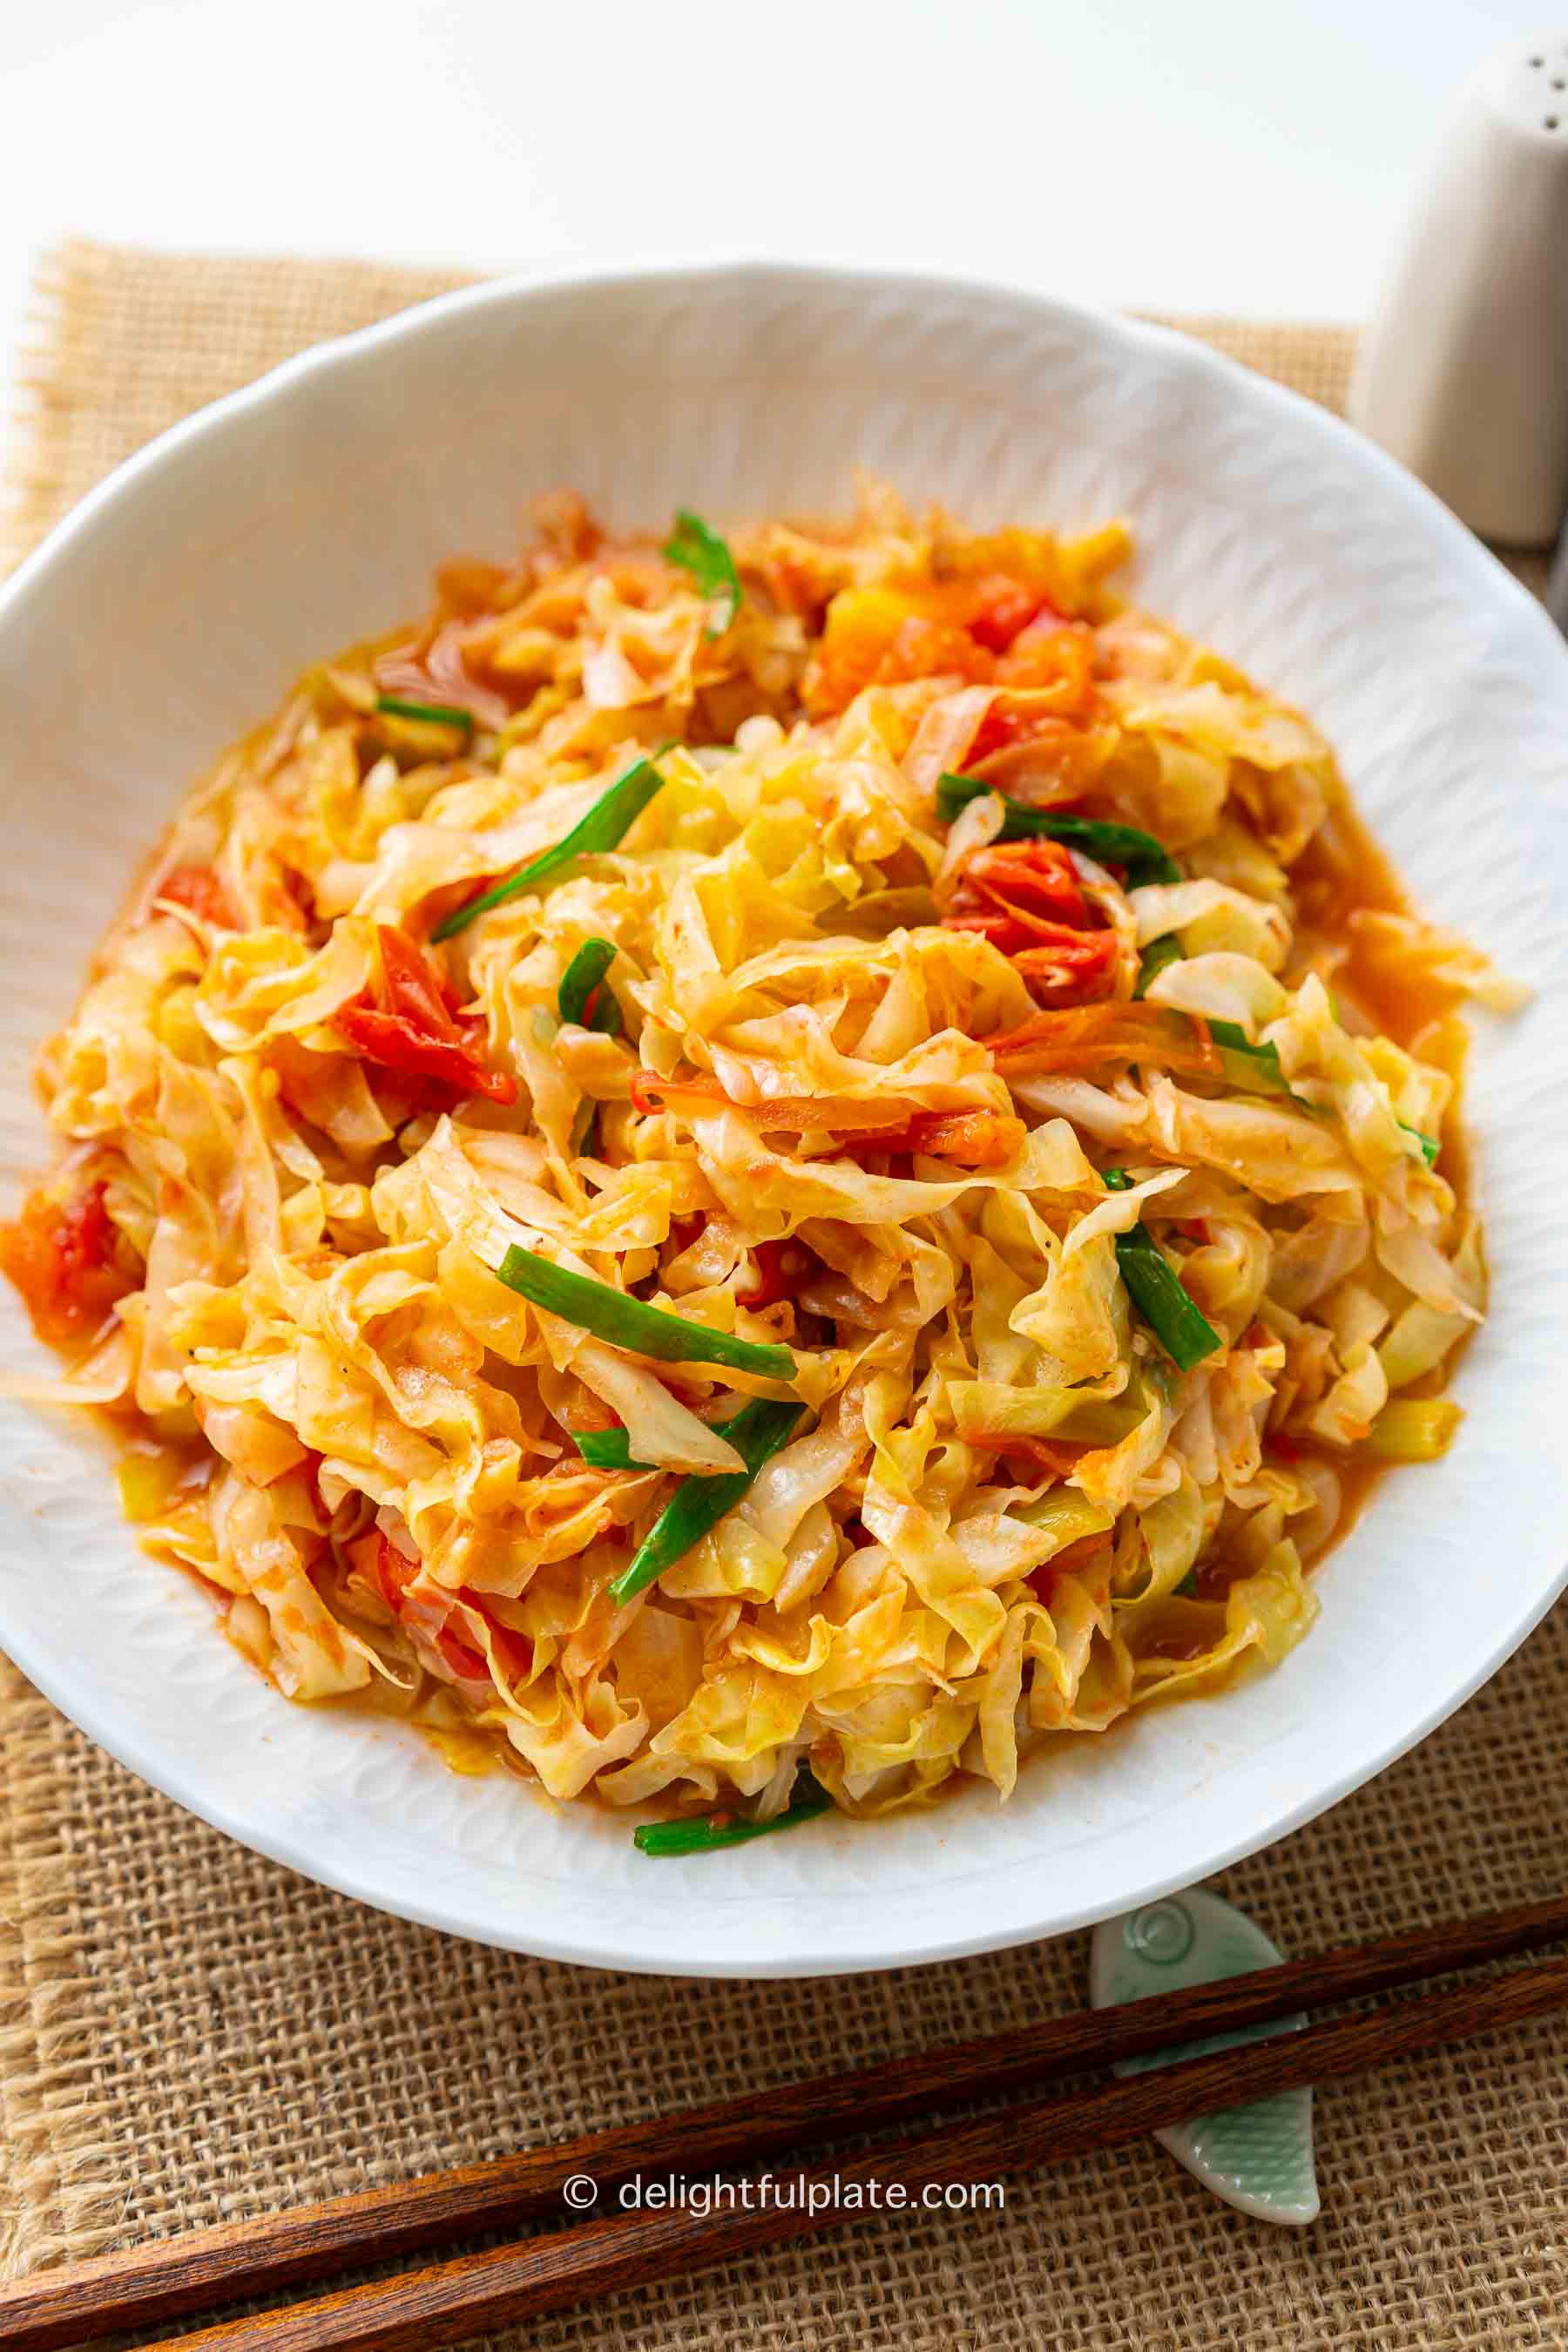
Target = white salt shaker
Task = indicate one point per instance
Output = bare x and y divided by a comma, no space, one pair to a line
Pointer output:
1463,373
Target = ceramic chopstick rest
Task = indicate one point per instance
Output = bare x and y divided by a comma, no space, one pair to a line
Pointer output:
1463,371
1256,2158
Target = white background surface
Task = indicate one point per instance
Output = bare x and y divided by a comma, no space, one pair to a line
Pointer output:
1247,156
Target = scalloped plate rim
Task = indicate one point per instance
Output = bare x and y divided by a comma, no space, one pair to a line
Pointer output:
671,1949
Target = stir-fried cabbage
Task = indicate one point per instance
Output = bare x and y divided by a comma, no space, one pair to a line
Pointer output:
842,1104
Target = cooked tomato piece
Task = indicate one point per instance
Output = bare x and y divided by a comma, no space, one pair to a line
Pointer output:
1004,608
394,1572
1047,677
198,887
467,1663
1004,723
974,1139
407,1023
1036,877
1076,967
1047,759
1004,933
882,635
1053,657
1024,898
927,648
773,1282
513,1653
971,1138
982,626
414,987
65,1258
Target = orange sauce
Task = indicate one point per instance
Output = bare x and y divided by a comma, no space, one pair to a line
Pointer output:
1344,872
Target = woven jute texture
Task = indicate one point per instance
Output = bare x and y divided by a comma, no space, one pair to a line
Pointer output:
191,2033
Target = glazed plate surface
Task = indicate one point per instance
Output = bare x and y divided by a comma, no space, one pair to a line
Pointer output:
174,608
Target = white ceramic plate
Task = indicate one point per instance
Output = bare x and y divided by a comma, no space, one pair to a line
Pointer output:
175,607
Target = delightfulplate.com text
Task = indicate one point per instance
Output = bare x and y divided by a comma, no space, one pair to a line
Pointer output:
788,2192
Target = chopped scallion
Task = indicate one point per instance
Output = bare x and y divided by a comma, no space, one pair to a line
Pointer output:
610,1449
630,1323
698,548
578,982
433,714
1141,857
607,1449
1175,1318
1157,955
606,823
809,1802
1262,1066
699,1502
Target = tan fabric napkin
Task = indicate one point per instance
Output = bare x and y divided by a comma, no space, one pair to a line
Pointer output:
190,2033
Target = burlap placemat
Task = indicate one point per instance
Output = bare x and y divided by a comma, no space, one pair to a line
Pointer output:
191,2033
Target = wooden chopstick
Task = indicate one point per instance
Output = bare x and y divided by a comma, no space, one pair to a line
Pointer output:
450,2301
146,2286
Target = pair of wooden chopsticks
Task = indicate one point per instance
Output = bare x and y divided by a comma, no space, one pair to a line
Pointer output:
444,2301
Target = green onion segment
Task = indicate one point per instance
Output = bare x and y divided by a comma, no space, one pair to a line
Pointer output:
578,982
1165,950
627,1322
610,1449
434,714
1261,1064
1179,1323
809,1804
607,1449
606,823
698,548
699,1502
1142,857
